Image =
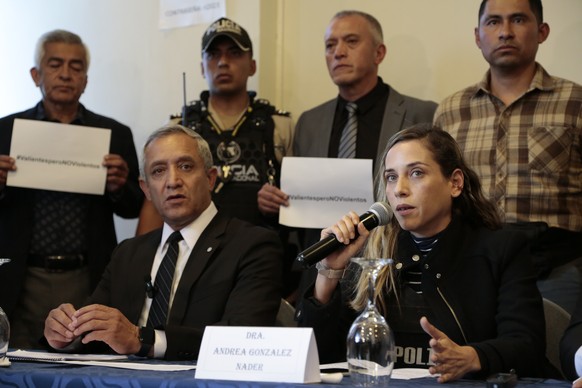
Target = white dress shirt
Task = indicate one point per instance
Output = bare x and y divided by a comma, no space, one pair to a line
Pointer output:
190,233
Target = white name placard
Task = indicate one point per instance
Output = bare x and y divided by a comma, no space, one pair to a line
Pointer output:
243,353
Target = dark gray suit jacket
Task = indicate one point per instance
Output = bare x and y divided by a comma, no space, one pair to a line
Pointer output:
233,277
313,129
313,133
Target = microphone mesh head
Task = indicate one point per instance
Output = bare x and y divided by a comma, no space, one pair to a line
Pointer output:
383,211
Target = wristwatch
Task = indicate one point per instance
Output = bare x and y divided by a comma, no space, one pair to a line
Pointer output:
329,273
147,337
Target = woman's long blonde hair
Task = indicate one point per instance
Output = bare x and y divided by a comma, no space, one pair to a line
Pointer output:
471,204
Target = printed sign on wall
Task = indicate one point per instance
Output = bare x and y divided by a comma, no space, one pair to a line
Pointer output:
183,13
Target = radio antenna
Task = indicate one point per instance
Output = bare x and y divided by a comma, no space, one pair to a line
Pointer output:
184,95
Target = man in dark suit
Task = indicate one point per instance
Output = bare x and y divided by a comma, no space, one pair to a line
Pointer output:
54,245
354,49
571,347
227,271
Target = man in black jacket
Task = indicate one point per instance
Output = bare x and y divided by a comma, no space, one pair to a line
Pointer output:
225,272
55,245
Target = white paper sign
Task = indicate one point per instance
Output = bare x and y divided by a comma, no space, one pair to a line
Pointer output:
274,354
322,190
183,13
59,157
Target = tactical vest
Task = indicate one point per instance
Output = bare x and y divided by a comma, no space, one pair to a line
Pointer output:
245,159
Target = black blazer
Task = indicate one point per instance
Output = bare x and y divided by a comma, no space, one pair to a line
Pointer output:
481,288
16,212
233,277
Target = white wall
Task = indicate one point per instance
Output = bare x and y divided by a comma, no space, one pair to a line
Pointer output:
136,70
431,48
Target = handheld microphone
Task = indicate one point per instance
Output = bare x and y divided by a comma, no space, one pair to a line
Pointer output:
185,106
379,213
150,289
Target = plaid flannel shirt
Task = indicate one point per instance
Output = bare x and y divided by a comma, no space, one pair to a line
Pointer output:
528,155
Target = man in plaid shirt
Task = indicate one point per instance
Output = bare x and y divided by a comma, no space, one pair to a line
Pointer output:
521,130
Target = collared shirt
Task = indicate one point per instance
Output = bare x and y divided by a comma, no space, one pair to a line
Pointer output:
528,154
370,113
190,233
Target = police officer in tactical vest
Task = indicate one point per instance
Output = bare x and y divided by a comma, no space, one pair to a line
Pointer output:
248,136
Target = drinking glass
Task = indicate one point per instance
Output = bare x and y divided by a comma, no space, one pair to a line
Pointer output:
370,342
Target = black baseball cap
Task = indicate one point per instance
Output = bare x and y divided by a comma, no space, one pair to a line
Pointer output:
226,27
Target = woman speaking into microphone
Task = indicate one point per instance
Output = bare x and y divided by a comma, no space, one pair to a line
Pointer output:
461,294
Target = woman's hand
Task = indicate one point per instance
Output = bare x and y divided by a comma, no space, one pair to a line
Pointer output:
451,360
345,231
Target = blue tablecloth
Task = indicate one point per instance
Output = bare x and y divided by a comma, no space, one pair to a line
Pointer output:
36,374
